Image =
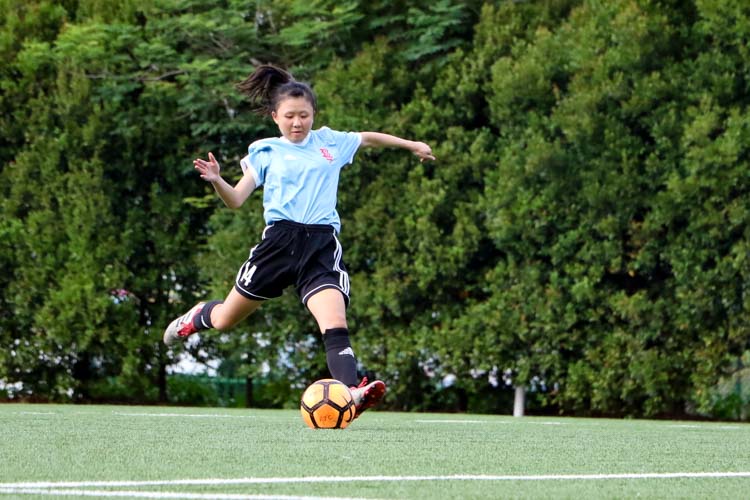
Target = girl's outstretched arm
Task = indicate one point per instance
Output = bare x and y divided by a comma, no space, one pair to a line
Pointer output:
233,197
378,139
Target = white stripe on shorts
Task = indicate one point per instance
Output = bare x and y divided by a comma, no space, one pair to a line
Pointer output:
343,285
343,275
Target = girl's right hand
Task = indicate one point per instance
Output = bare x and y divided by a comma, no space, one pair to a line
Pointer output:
209,170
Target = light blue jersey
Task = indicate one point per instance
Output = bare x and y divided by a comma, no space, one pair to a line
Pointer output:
300,181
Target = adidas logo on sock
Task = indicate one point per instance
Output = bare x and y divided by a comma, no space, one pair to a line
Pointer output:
347,351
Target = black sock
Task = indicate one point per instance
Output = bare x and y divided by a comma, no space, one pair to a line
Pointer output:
202,320
340,357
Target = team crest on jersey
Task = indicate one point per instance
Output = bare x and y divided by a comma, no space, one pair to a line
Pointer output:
326,154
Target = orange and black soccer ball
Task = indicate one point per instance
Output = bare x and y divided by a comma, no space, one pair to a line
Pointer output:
327,404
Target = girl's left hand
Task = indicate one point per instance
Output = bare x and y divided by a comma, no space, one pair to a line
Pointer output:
422,151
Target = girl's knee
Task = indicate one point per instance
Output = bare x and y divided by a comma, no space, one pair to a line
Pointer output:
221,322
332,322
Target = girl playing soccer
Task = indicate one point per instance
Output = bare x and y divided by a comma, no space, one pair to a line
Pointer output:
299,246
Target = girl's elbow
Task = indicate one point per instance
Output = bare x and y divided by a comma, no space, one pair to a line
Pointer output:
236,203
233,204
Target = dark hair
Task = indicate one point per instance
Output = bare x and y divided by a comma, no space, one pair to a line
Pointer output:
268,85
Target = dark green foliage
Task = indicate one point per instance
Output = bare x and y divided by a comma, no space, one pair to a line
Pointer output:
584,232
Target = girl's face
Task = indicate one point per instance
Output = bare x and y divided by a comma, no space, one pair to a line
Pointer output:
294,116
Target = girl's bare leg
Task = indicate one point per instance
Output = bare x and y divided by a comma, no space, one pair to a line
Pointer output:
328,308
234,309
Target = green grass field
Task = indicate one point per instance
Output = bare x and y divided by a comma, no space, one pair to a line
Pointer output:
158,452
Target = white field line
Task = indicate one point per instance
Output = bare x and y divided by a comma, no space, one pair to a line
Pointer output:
186,415
158,494
421,421
457,421
355,479
708,427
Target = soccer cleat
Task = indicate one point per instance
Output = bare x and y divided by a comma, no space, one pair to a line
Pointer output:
367,395
181,328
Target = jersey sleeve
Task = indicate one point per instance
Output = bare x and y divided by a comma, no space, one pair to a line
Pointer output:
347,143
256,162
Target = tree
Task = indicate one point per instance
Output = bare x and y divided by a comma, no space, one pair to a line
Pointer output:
584,231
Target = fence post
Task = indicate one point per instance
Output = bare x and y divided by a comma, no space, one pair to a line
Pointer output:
520,402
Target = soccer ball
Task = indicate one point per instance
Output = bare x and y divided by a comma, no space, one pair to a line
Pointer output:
327,404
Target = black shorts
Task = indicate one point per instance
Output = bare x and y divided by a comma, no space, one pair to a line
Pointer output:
308,256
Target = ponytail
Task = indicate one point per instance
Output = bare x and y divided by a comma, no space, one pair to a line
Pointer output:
268,85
